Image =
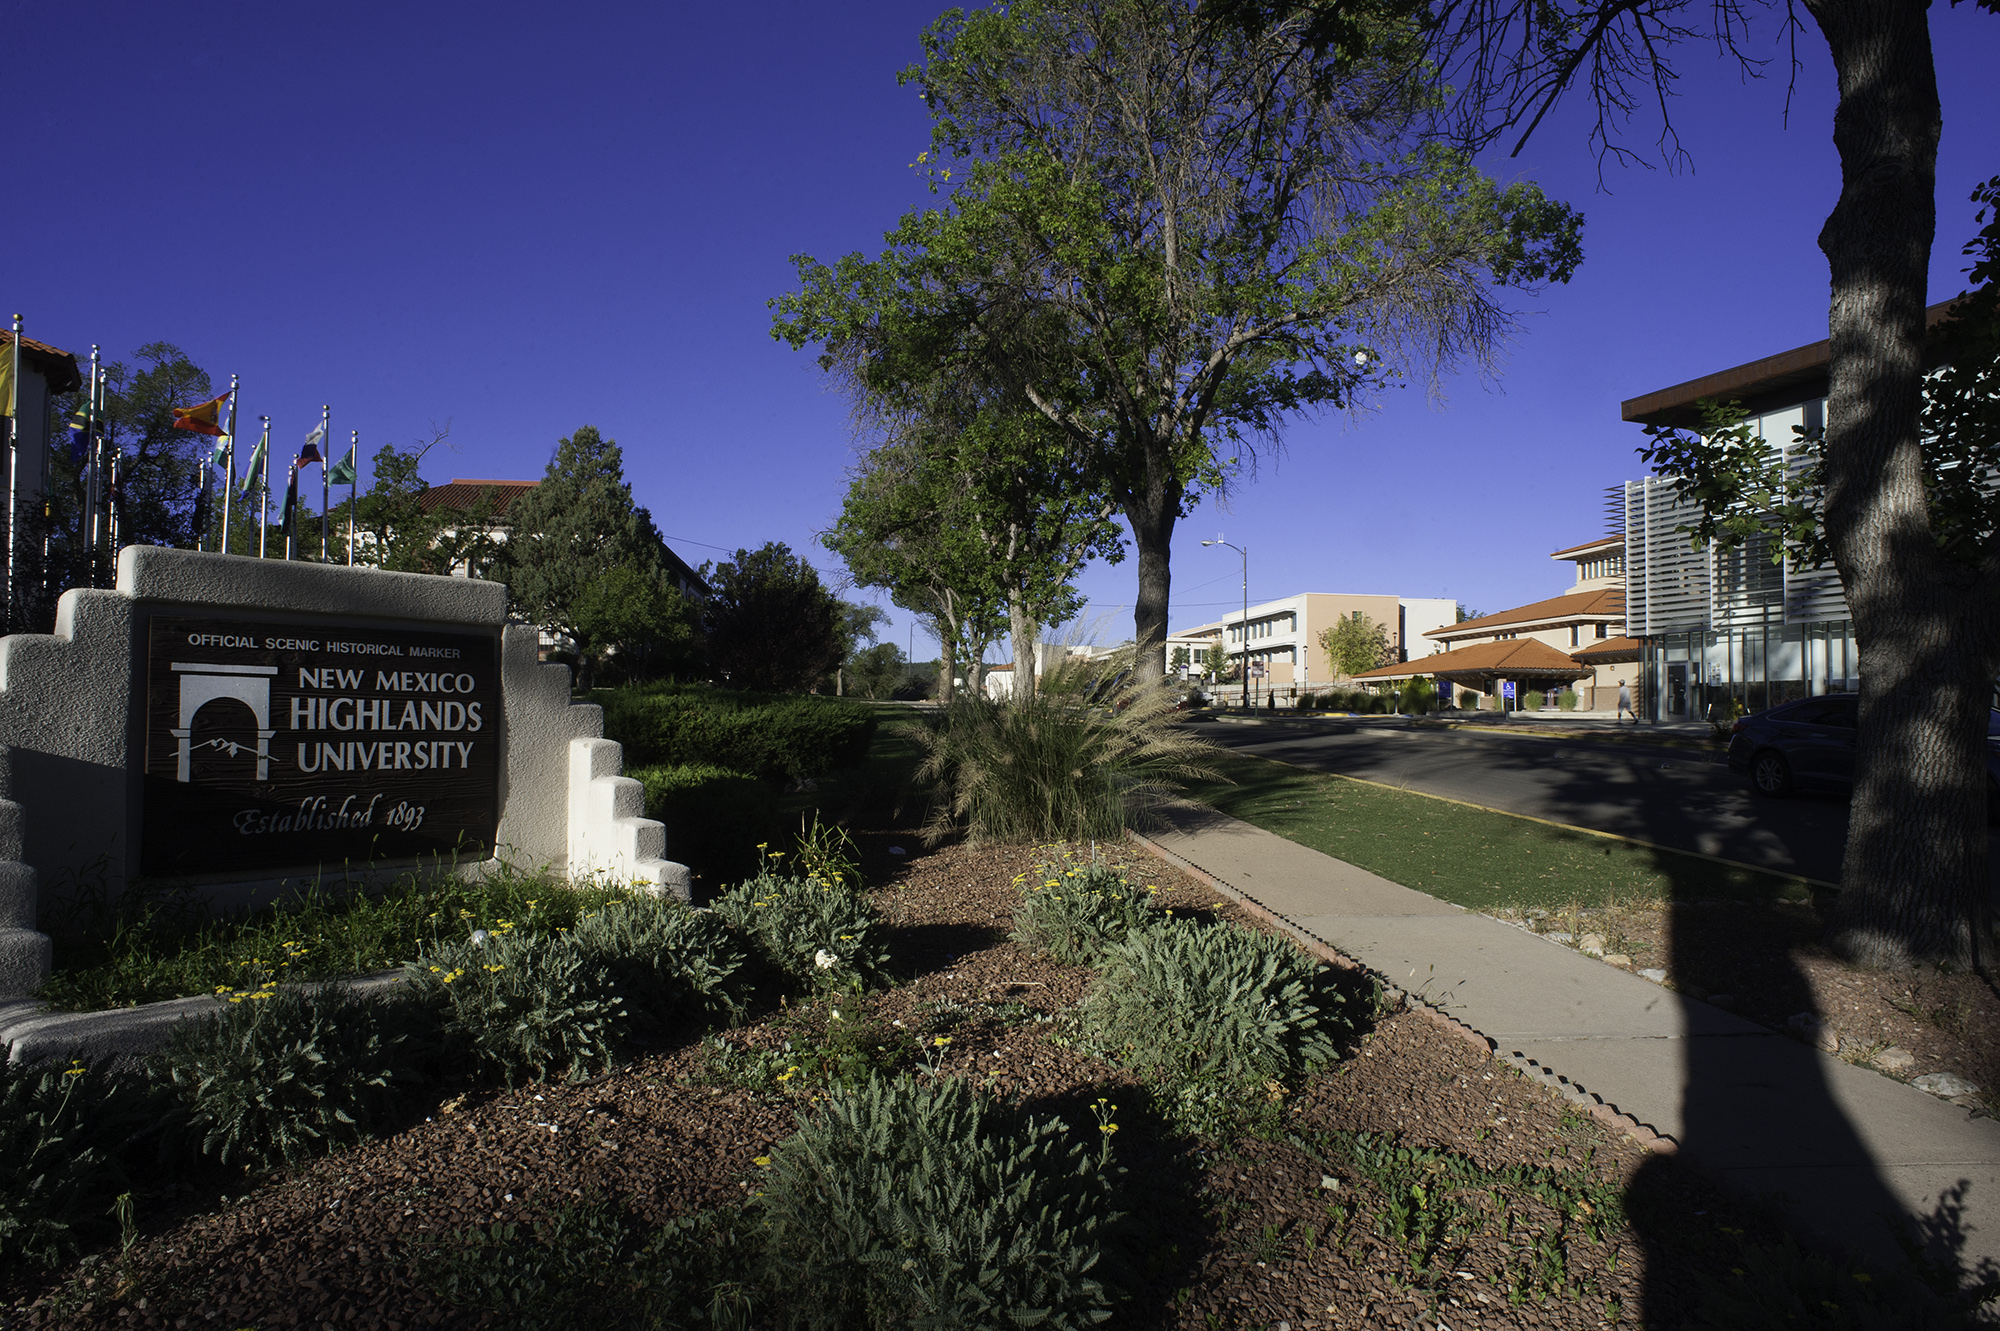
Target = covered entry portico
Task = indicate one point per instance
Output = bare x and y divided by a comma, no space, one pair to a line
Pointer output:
1529,662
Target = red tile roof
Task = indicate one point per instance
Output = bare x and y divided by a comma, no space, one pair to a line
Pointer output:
463,494
58,367
1611,649
1508,658
1607,603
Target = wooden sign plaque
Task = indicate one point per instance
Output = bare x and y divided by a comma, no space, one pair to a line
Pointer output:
288,746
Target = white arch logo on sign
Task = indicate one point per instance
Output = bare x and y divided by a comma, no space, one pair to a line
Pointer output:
203,683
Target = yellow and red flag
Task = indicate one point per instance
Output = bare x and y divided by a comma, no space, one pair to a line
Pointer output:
204,419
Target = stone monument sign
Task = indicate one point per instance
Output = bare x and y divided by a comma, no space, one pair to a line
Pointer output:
242,726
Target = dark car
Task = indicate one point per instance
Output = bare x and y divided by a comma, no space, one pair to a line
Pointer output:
1809,745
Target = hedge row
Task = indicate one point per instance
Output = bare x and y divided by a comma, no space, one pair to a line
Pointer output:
775,738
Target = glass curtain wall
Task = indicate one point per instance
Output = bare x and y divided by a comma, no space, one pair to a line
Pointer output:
1756,665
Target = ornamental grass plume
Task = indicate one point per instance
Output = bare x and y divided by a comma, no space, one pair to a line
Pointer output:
1069,764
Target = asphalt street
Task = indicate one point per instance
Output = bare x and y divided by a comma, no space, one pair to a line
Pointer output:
1670,797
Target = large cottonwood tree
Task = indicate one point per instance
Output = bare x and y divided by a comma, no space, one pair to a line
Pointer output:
1170,236
1914,881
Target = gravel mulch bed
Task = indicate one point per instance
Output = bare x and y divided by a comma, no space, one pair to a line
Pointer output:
1506,1209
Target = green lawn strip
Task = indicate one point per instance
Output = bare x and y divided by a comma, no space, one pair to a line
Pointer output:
1475,858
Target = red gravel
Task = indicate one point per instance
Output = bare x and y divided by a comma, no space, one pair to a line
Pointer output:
1244,1232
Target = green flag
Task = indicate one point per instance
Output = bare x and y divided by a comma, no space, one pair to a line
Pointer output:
342,472
250,472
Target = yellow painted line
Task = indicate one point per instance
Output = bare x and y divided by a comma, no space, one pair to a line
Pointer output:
1567,827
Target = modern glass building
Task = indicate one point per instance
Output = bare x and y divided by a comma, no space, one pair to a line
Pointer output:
1721,626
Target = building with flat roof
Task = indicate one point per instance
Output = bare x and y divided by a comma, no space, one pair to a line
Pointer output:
1280,639
1736,627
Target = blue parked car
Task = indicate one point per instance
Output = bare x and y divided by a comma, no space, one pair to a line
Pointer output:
1809,745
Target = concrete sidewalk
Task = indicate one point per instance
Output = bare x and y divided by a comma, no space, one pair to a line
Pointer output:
1842,1145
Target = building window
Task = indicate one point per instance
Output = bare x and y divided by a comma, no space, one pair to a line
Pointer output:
1603,631
1575,634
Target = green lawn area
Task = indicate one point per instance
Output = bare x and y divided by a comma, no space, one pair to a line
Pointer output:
1473,857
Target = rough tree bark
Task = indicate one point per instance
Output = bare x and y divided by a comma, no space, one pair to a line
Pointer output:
1021,626
1151,509
1913,885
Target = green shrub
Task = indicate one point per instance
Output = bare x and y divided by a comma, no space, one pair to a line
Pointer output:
1416,695
714,817
62,1130
911,1205
1074,913
774,738
673,966
1533,700
284,1075
1568,700
819,935
521,1008
1185,1001
1053,767
140,949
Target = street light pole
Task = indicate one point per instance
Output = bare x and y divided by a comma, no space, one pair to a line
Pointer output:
1245,628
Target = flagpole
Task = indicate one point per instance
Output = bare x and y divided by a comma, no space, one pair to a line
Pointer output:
95,483
353,486
325,486
84,530
229,482
264,496
13,471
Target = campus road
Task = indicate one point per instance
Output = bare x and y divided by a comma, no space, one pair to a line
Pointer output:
1670,797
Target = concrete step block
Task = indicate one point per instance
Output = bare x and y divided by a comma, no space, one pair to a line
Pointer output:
19,885
12,825
25,957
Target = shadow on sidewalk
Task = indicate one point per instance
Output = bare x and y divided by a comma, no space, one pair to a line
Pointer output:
1803,1222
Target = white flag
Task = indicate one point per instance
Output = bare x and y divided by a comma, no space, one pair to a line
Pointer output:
317,437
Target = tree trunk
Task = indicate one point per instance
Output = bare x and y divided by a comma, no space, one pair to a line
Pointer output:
1913,883
1022,626
947,667
1152,514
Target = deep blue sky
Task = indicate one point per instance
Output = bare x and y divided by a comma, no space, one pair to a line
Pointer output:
521,219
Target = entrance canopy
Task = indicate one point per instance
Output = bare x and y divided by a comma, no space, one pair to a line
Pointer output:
1482,666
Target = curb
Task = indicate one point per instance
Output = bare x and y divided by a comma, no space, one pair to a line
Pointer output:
1642,1134
29,1031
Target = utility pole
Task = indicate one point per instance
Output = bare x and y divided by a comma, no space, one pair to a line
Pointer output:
1244,630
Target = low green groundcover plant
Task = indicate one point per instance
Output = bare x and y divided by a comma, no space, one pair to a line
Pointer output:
897,1204
67,1135
521,1008
288,1074
145,947
909,1204
674,967
819,934
1075,911
1190,1002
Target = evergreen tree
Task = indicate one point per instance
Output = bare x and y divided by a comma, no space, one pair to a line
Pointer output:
771,625
571,532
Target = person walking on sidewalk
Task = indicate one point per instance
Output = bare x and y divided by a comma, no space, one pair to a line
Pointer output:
1625,705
